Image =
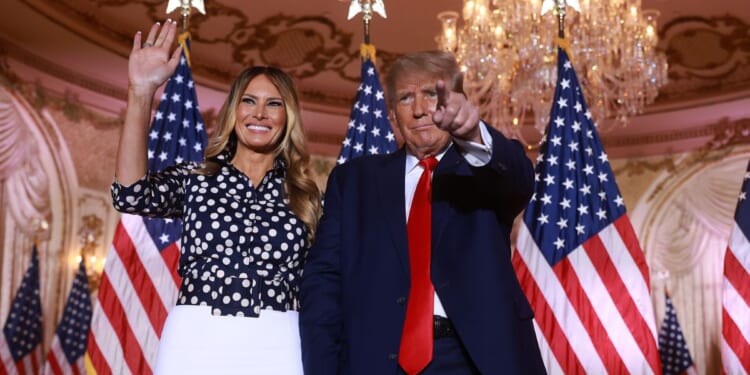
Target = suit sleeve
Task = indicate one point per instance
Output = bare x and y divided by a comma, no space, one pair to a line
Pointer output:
320,292
515,171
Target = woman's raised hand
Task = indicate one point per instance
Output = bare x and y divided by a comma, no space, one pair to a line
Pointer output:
150,64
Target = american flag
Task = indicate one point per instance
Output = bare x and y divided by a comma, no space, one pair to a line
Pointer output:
735,314
66,355
369,132
21,341
577,256
140,281
673,350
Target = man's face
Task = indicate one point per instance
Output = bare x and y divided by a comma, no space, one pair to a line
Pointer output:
412,109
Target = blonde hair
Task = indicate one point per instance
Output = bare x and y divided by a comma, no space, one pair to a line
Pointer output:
301,190
437,64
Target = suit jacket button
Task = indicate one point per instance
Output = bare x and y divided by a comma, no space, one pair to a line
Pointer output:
393,356
401,300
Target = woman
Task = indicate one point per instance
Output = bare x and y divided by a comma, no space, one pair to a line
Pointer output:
249,213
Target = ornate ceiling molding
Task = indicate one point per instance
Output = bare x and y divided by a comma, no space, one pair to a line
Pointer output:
723,133
707,56
725,136
10,49
305,47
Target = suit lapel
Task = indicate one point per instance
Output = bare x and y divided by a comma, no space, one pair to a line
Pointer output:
392,202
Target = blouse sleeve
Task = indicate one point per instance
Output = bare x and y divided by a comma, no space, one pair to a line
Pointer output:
159,194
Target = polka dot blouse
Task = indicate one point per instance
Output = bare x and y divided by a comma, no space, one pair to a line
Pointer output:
242,247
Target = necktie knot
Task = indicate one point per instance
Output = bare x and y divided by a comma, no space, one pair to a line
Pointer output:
428,163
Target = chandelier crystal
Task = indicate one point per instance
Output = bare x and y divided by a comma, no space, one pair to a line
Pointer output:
507,50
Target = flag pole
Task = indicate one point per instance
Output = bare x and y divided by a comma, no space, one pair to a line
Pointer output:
367,7
559,8
366,18
185,12
561,19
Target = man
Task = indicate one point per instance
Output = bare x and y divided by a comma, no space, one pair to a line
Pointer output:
355,317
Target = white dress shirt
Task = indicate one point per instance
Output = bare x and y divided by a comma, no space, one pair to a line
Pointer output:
475,154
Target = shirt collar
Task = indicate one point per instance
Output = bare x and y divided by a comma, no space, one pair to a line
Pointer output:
278,169
412,161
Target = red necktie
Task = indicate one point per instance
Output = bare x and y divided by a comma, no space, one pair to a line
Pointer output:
416,340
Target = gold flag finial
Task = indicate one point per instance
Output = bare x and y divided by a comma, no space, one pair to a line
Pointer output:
548,5
366,7
559,6
184,6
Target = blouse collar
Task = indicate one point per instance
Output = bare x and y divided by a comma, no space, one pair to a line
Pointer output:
279,164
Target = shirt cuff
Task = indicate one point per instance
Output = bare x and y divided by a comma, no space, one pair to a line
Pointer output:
478,155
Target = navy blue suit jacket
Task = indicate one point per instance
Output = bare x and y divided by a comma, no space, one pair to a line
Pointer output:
356,277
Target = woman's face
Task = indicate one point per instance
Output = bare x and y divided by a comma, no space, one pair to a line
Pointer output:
261,116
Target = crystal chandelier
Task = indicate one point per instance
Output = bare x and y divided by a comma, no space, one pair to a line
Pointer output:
507,50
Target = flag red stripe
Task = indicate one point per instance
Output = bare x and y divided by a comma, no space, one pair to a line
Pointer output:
95,354
586,312
171,256
546,319
619,293
57,362
625,229
52,361
114,311
735,347
142,283
739,344
737,275
36,359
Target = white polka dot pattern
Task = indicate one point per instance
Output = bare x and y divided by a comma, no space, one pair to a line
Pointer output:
242,247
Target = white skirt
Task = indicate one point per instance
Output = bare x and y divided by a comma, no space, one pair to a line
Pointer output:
196,342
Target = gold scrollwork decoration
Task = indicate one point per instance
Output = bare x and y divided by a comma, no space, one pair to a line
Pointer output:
706,56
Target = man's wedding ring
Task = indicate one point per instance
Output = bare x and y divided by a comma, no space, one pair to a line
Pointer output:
147,44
